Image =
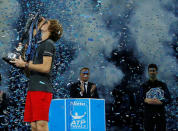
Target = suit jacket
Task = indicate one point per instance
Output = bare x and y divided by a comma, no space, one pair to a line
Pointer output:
75,91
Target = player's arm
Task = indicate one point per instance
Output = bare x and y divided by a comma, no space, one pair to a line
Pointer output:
43,68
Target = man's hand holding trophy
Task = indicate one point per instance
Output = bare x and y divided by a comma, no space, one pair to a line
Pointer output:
26,48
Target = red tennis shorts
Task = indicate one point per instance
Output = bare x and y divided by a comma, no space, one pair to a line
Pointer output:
37,106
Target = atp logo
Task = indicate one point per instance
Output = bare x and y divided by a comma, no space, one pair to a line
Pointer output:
78,121
79,115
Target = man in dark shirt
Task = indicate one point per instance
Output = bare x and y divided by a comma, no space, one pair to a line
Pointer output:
155,96
83,88
39,94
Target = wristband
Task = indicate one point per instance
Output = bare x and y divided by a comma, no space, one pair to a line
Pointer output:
26,65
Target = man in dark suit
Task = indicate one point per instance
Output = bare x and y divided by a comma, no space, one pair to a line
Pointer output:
154,95
83,88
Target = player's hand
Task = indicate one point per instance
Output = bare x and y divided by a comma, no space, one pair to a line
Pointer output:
148,100
156,101
153,101
18,62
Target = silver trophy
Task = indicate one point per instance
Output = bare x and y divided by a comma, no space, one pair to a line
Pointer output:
24,41
155,93
13,55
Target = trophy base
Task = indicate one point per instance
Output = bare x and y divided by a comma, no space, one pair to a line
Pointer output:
26,71
6,59
10,57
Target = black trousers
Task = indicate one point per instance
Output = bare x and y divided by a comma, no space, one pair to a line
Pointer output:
154,121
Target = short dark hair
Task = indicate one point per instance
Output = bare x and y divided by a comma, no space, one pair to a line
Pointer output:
84,68
153,66
55,29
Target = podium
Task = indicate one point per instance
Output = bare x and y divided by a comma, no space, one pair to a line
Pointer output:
77,115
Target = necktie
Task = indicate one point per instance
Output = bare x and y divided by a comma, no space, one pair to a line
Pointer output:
85,87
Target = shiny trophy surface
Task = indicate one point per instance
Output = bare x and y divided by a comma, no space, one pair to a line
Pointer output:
13,55
26,45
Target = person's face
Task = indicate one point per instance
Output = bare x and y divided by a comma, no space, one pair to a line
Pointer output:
152,73
44,25
84,75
